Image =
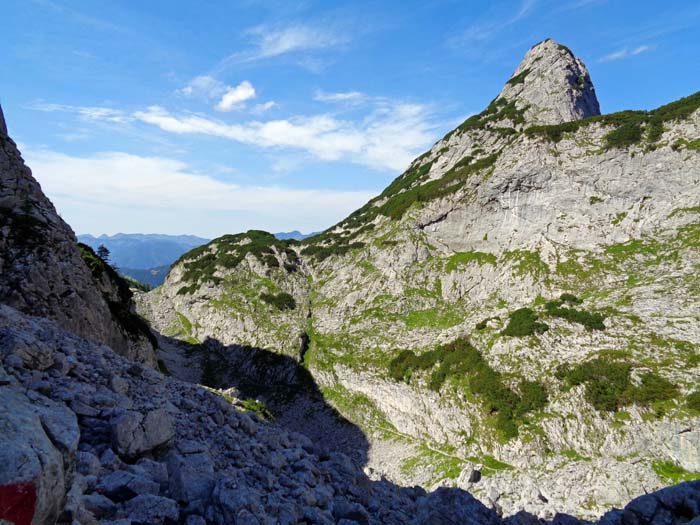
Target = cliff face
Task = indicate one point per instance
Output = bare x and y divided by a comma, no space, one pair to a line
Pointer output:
521,302
42,271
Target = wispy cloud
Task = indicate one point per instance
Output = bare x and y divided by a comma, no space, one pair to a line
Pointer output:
270,41
625,53
79,17
86,113
388,138
491,25
168,192
236,96
203,87
259,109
353,97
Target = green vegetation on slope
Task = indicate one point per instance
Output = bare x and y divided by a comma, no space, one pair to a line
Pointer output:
524,322
133,324
630,126
609,387
460,361
228,251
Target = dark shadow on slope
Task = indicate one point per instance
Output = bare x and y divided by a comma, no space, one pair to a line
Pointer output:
287,389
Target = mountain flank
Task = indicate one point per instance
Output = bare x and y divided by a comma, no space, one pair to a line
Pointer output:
521,302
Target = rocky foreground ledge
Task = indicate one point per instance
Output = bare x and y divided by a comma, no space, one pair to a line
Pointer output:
89,437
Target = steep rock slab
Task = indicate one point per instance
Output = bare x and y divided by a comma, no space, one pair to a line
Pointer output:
41,269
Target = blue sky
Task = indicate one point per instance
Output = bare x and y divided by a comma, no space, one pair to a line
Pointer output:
214,117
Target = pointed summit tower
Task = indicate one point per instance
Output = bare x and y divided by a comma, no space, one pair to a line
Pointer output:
3,126
552,86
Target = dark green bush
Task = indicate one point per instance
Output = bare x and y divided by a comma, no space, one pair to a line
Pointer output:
653,388
609,387
524,322
692,401
607,382
592,321
519,78
533,396
624,136
281,301
570,298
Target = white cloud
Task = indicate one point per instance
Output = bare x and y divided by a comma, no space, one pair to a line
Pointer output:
389,138
275,41
86,113
259,109
640,49
236,96
161,194
203,86
347,96
624,53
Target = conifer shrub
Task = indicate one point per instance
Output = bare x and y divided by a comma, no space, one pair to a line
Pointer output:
524,322
281,301
590,320
608,384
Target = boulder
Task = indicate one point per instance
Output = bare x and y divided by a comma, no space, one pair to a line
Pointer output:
33,473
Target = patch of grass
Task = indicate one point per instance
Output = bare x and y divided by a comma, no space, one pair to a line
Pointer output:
257,407
680,144
527,263
524,322
594,200
466,258
433,318
573,455
519,78
673,473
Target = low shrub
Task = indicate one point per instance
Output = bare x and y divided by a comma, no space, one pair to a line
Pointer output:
608,384
281,301
592,321
692,401
524,322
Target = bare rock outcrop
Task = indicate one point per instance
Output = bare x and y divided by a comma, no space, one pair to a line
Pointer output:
42,271
552,86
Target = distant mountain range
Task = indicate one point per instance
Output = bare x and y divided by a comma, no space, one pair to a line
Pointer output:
147,257
143,251
294,235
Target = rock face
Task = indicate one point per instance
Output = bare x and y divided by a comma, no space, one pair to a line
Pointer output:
534,198
200,459
42,271
552,86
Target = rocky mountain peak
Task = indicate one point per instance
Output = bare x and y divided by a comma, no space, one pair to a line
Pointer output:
3,126
551,85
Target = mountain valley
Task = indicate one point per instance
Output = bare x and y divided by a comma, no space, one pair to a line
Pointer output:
508,334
